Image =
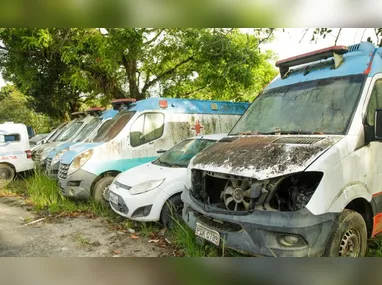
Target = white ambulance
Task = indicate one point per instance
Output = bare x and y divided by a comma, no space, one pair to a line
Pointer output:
15,154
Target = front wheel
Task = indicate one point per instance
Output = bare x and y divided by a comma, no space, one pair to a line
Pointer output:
7,174
348,237
172,210
101,190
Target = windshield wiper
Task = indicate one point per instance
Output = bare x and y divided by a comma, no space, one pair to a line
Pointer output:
164,163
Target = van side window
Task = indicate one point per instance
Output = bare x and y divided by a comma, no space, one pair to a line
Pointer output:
374,103
146,128
10,138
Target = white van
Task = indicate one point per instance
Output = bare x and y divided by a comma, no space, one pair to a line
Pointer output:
135,135
299,174
71,131
15,154
151,191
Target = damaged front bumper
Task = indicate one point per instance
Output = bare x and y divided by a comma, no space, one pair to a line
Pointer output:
77,185
263,233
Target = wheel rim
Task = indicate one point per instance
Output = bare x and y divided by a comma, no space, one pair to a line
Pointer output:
105,194
178,209
350,245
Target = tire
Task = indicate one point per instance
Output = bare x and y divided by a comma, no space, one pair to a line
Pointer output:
100,193
7,174
348,237
172,209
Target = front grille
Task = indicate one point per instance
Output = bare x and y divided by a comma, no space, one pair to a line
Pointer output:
63,171
121,207
217,224
49,162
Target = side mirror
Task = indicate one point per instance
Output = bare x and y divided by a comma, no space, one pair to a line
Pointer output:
161,151
378,124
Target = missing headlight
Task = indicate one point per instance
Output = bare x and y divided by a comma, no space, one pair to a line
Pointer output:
294,192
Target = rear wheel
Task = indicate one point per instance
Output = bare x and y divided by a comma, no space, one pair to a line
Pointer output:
7,174
101,190
172,209
348,237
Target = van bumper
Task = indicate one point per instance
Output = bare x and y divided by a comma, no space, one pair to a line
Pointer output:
52,171
77,185
264,233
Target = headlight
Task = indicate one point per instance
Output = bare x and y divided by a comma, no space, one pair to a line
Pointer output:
146,186
80,160
45,153
58,156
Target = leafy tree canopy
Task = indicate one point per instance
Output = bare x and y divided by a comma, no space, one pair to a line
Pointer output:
62,69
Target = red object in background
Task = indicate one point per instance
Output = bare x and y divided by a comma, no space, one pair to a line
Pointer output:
197,127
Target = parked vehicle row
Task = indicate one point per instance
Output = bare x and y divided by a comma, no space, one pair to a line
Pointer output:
122,145
296,173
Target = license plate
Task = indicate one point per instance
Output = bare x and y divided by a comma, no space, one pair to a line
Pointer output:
207,234
113,198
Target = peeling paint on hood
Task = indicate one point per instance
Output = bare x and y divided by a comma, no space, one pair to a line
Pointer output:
262,157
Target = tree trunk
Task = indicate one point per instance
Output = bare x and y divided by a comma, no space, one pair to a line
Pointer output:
130,65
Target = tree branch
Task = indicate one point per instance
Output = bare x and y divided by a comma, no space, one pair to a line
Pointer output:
267,37
338,35
303,36
65,38
154,38
196,90
168,72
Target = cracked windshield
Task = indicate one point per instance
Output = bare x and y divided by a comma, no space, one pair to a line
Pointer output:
320,106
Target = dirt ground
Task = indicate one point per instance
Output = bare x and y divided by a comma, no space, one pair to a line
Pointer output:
80,236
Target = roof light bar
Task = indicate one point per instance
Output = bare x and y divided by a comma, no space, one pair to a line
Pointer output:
95,111
78,114
336,52
123,102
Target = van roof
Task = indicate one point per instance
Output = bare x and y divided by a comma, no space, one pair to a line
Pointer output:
361,58
109,113
190,106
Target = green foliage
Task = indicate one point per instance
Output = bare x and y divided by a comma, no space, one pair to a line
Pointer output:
65,70
14,107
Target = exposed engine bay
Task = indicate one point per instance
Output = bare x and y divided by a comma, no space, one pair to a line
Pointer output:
240,194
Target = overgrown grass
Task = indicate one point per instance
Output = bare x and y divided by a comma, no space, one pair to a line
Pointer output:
374,248
44,195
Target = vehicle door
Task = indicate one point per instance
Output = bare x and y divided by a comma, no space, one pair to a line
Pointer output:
145,138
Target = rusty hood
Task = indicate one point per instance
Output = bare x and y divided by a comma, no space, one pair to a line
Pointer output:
263,157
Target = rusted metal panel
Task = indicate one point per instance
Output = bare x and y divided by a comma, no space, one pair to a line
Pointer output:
259,157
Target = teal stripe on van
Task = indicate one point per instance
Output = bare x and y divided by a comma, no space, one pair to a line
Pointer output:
119,165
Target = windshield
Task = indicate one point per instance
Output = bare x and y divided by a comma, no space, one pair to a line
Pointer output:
110,130
320,106
181,154
56,133
69,132
88,129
